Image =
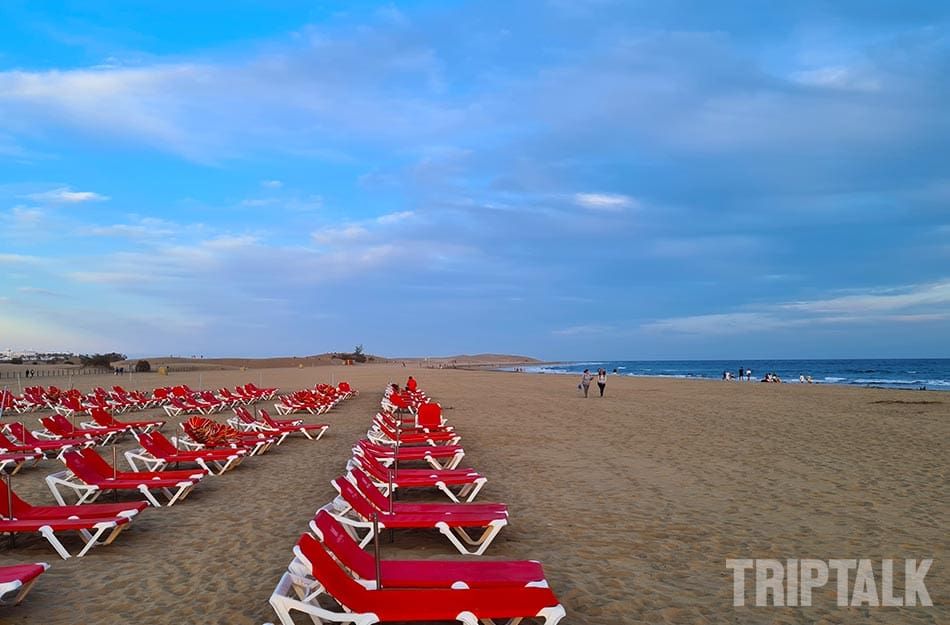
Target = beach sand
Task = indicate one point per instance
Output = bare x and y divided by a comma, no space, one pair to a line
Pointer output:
633,502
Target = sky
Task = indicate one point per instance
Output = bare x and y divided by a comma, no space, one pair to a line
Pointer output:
560,179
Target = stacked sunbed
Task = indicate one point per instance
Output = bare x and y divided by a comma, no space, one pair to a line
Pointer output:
333,578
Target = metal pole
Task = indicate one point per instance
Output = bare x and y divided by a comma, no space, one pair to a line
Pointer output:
391,491
7,478
396,454
379,577
115,474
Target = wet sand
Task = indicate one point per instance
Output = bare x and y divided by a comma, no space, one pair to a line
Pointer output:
633,501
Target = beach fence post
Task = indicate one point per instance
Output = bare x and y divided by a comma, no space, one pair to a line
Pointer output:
3,400
379,579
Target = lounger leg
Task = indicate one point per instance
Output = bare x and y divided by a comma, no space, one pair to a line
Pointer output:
282,602
482,542
48,533
148,495
93,539
183,489
472,489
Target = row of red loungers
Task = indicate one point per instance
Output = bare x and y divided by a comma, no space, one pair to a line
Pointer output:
98,523
330,562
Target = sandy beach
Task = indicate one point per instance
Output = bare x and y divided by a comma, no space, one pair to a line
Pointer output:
633,501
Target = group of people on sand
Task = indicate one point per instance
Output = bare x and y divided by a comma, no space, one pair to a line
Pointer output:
743,374
587,378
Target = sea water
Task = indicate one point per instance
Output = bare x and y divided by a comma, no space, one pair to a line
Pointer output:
903,373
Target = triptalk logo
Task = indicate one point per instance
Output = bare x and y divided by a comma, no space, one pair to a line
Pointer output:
791,583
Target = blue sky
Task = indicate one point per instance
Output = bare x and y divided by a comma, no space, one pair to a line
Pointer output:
563,179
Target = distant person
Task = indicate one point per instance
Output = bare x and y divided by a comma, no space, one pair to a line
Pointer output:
586,378
601,380
615,370
808,378
801,378
411,385
748,375
741,373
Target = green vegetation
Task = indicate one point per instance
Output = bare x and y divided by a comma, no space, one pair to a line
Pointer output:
356,355
103,361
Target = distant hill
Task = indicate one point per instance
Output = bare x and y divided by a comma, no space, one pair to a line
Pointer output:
321,360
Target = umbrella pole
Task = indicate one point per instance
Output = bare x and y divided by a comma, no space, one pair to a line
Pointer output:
115,474
379,578
8,479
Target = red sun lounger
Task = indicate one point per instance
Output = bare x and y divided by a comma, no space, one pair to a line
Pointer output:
313,431
52,446
88,480
58,426
452,523
365,485
384,434
17,579
364,606
101,418
467,482
413,573
16,459
157,452
97,523
438,456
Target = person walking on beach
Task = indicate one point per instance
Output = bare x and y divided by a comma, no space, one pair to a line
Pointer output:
601,380
585,381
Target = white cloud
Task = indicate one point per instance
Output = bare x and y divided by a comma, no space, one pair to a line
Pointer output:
705,246
838,77
344,235
17,259
230,242
607,202
106,277
717,324
26,216
65,195
890,300
587,330
392,218
147,227
882,307
37,291
272,184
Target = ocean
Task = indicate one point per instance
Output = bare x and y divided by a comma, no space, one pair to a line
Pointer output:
902,373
